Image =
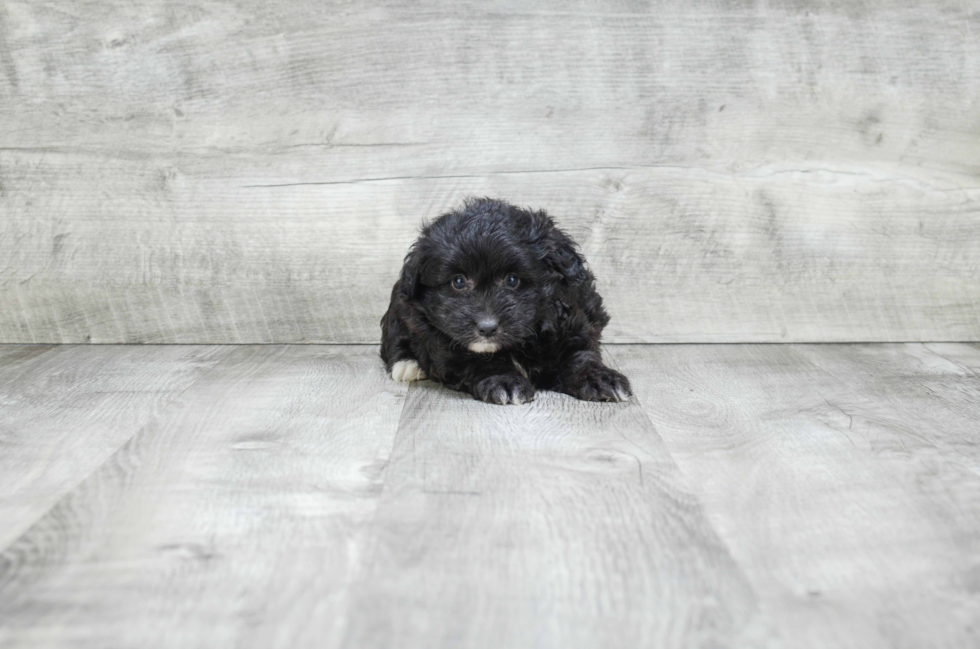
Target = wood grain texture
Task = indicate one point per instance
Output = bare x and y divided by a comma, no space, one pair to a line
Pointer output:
555,524
248,172
231,520
64,411
844,479
293,496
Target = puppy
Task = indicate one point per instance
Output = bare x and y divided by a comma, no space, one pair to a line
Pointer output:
496,301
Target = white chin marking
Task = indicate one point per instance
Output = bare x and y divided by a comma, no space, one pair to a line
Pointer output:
407,370
622,395
481,347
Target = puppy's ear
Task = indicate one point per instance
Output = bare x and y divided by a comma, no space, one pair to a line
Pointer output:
410,283
556,250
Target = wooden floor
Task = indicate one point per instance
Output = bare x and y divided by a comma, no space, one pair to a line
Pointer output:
294,496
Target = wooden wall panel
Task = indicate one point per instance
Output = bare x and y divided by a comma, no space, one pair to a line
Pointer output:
254,172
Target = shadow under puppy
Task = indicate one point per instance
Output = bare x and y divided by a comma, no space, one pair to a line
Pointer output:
496,301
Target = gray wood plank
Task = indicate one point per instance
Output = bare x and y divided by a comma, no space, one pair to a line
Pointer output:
16,361
232,519
12,356
532,85
845,479
556,524
795,171
680,254
64,411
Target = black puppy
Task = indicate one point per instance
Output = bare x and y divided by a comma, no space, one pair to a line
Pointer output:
495,300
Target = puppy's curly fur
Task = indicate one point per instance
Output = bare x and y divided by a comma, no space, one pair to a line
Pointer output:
496,301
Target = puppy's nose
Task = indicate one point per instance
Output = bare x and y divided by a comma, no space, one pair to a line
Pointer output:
487,326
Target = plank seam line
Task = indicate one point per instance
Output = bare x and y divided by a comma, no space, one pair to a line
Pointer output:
97,468
969,370
465,176
762,611
754,174
367,529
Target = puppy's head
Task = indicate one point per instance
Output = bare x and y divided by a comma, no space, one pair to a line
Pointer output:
484,275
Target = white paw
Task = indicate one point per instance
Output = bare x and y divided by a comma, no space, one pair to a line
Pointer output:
502,397
407,370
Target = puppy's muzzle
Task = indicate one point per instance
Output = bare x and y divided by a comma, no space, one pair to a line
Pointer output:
486,327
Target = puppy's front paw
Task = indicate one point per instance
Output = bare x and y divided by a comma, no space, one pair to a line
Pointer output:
504,389
407,370
599,383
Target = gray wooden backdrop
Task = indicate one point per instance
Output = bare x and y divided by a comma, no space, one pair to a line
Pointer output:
253,171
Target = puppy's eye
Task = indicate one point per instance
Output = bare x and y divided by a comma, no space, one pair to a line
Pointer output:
459,282
512,281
